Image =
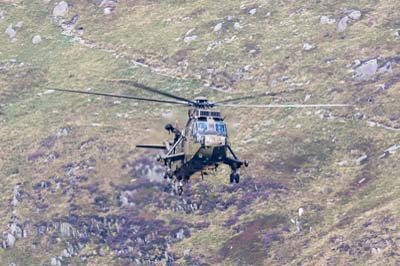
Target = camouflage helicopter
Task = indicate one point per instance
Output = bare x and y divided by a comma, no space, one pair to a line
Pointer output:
203,143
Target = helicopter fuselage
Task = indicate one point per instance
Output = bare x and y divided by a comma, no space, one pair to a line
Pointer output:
202,145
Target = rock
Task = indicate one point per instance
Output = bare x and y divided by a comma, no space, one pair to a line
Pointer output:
357,63
180,234
186,252
355,15
48,91
1,15
108,10
301,211
189,39
327,20
366,71
65,254
298,224
61,9
36,39
285,78
273,83
308,47
247,68
237,26
253,11
11,32
67,230
10,240
54,261
63,132
389,151
362,160
107,2
375,251
19,24
218,27
393,148
386,68
189,32
342,25
16,195
16,230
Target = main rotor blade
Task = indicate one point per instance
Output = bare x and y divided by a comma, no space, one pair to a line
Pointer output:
270,94
147,88
281,105
119,96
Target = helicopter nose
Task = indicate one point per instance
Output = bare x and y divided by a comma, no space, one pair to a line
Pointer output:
214,140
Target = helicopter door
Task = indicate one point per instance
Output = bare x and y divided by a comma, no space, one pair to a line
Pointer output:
188,147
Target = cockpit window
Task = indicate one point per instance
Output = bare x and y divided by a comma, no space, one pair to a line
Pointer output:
201,127
211,127
220,127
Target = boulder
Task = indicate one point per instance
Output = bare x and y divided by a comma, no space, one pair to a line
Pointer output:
63,132
61,9
391,150
108,10
189,32
67,230
308,47
385,68
36,39
16,230
253,11
10,240
367,70
186,252
218,27
237,26
342,25
180,234
362,160
107,2
355,15
54,261
189,39
327,20
11,32
19,24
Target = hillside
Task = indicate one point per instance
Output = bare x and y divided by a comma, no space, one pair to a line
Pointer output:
323,185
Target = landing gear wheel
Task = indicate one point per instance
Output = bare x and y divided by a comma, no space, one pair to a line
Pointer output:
232,178
180,188
168,174
235,177
177,187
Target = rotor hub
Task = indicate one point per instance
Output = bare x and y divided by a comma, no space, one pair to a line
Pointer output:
201,100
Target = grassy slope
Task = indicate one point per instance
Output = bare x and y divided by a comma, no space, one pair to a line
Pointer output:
348,219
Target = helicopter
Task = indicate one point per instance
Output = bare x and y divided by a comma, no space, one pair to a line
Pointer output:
203,143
